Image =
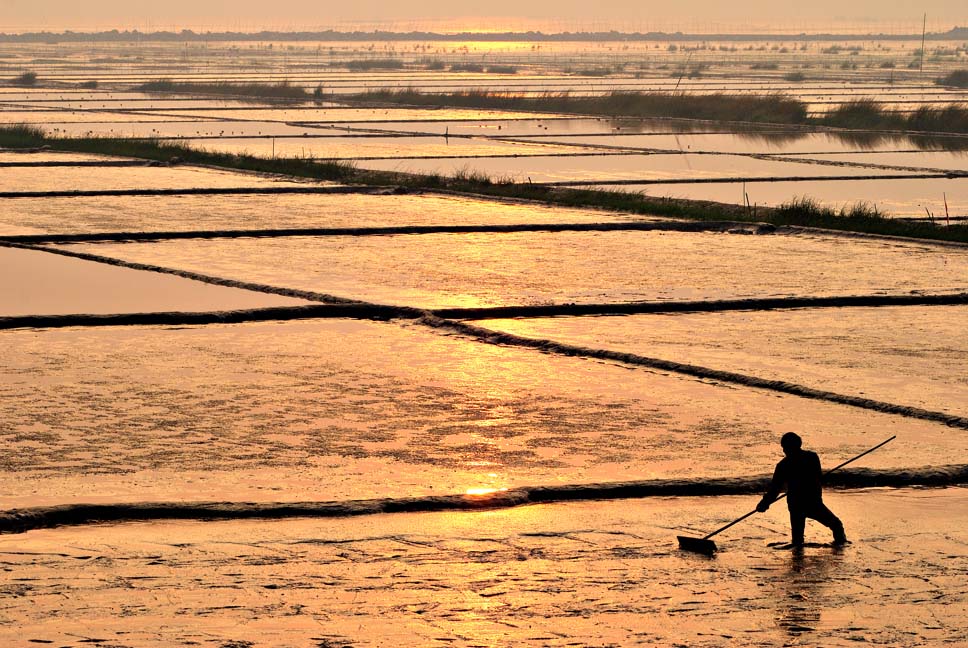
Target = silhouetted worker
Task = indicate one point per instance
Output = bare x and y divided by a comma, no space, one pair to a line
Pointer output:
799,473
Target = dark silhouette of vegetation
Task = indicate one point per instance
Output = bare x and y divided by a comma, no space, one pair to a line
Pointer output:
802,212
432,64
466,67
770,108
89,85
26,79
957,79
282,90
867,113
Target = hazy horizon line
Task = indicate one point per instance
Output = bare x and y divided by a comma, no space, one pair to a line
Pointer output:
954,31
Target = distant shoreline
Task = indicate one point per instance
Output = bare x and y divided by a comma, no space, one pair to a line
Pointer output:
957,33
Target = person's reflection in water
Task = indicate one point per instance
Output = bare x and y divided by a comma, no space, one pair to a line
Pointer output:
801,590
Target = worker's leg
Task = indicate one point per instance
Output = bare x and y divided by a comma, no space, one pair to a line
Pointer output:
825,516
797,522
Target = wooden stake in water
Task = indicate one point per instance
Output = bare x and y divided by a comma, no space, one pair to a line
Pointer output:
924,26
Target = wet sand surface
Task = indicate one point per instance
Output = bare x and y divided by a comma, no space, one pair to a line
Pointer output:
914,356
582,573
466,270
345,409
40,283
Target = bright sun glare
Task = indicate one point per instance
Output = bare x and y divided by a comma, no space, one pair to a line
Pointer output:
484,491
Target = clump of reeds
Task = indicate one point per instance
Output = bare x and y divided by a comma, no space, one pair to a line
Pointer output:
772,108
26,79
956,79
466,176
867,113
281,90
858,113
21,136
431,63
805,208
952,118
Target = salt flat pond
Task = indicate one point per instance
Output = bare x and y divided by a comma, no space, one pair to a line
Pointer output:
340,410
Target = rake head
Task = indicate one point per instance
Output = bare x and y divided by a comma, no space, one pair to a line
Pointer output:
697,545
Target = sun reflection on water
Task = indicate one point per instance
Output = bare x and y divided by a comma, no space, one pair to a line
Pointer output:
484,490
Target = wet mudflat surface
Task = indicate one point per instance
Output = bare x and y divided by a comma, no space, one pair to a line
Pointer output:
14,156
583,573
626,167
261,212
328,116
948,160
349,409
893,198
39,283
394,147
905,355
449,270
788,142
40,116
17,179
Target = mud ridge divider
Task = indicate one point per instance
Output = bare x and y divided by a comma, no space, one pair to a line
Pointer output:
177,318
215,281
22,520
713,306
619,226
666,181
79,163
705,373
198,191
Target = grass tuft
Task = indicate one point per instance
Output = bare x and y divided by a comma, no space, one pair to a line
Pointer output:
26,79
957,79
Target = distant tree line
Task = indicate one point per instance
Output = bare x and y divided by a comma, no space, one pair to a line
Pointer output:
187,35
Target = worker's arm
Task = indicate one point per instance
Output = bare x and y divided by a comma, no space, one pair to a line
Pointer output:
776,485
